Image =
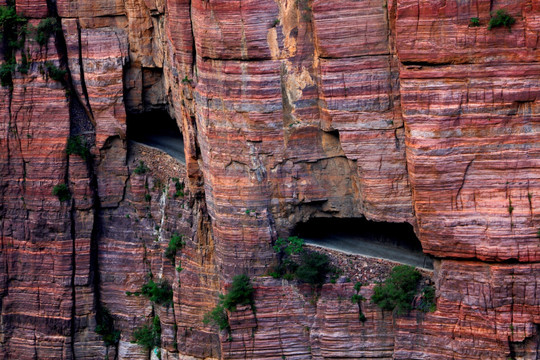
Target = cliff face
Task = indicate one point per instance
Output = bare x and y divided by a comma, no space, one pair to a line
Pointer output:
399,111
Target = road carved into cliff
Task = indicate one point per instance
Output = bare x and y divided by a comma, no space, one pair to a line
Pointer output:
157,130
363,247
390,241
169,144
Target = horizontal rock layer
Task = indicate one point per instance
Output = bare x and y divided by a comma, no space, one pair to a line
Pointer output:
398,111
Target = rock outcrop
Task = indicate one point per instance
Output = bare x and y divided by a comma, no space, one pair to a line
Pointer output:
396,111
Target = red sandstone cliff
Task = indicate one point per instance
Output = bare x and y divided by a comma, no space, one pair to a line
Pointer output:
398,111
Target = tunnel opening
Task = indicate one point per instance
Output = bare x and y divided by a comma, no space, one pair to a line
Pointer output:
157,129
391,241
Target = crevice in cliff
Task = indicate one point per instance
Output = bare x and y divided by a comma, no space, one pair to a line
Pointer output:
287,106
462,184
421,64
73,272
13,131
81,125
369,56
61,49
193,46
81,69
252,59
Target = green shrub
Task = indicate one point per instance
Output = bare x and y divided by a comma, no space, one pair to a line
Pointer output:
217,317
6,73
24,66
77,145
474,22
175,244
13,29
313,268
501,18
148,336
357,299
427,301
289,276
397,292
240,293
141,168
62,192
105,328
45,29
179,188
362,317
54,72
290,246
160,293
275,273
179,268
335,273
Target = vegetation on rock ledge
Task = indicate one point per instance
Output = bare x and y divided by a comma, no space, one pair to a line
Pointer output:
105,328
240,293
77,145
45,29
179,188
160,293
427,301
176,243
474,22
13,29
141,168
501,18
312,267
357,299
62,192
54,72
398,291
148,336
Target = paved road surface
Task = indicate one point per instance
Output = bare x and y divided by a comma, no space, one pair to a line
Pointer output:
172,145
156,129
358,246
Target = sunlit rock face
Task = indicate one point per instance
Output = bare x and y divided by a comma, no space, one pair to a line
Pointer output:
395,111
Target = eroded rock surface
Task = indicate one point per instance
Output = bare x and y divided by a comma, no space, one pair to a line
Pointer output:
397,111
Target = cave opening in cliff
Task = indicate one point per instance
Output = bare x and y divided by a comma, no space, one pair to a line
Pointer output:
157,129
391,241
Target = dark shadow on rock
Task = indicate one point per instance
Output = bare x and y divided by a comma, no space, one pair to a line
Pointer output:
157,129
392,241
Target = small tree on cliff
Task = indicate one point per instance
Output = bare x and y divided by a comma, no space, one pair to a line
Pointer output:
240,293
312,266
501,18
148,336
397,292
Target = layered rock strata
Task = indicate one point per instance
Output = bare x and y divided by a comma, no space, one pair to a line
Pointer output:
397,111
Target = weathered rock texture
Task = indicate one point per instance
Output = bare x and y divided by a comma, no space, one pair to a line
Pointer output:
397,111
